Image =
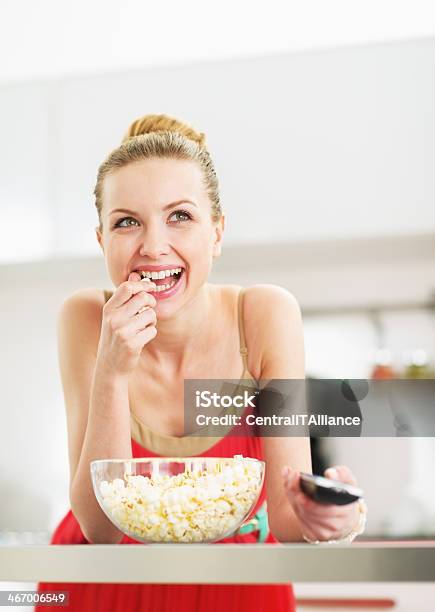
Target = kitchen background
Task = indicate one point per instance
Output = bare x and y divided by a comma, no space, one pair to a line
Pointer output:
325,150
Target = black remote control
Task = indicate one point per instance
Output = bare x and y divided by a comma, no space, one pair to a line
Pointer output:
327,491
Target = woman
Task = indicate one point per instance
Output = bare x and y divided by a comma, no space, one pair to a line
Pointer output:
124,356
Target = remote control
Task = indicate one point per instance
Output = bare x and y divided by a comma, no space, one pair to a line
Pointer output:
327,491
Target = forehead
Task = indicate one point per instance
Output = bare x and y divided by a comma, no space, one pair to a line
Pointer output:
153,182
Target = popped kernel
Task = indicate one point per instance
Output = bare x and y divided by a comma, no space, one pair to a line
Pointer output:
194,506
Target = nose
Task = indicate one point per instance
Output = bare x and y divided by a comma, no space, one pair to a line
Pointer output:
154,242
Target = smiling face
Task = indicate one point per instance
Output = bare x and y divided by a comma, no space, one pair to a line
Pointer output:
165,224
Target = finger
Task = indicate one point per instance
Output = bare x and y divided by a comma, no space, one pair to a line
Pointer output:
320,529
311,505
138,302
304,502
290,493
134,276
320,511
147,334
307,530
142,309
312,524
341,473
128,289
315,525
291,479
320,534
294,493
140,321
148,318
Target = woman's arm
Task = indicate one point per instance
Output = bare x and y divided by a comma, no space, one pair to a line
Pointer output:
97,410
279,342
273,326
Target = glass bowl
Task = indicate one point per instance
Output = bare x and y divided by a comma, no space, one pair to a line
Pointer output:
189,499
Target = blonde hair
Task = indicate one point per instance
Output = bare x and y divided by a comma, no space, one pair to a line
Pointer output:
164,137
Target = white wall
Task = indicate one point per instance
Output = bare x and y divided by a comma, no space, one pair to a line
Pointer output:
132,36
338,143
25,172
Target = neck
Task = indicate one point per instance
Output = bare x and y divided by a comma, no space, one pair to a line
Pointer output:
183,334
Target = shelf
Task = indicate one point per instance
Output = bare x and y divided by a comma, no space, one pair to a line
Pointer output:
221,564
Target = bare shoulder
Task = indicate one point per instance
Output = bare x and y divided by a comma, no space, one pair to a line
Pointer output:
273,327
83,303
259,300
80,316
263,297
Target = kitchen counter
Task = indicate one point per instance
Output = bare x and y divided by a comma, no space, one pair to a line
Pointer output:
368,561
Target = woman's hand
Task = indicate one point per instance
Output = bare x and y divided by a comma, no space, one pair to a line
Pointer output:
128,324
322,521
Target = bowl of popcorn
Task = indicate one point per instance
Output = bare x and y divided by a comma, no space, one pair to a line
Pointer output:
189,499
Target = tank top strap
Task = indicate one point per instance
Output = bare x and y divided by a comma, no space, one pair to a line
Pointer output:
243,347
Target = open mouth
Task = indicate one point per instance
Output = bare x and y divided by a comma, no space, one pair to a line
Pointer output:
164,279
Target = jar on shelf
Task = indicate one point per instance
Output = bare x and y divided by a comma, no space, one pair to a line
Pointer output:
416,364
382,369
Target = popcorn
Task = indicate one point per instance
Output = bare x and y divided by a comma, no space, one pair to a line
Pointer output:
194,506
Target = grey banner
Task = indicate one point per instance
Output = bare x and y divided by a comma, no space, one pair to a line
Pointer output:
310,407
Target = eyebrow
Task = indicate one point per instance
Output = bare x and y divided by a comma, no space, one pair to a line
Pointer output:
171,205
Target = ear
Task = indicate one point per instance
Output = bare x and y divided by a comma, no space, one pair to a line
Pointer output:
218,228
99,238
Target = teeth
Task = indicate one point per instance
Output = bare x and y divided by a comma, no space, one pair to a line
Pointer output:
163,287
159,275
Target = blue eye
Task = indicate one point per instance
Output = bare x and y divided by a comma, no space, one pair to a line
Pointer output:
182,216
118,223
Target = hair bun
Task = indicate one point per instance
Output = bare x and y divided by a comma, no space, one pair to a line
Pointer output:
163,123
